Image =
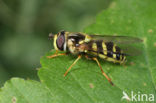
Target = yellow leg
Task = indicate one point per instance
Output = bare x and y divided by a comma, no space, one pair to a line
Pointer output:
103,71
55,55
72,65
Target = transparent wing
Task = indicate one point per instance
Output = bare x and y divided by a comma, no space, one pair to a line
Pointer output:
128,44
131,49
127,49
117,39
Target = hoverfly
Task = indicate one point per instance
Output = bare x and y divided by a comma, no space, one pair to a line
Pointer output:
92,47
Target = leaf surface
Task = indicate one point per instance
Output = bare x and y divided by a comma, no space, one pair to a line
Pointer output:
85,83
24,91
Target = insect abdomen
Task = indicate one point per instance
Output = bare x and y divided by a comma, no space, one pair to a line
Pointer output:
108,51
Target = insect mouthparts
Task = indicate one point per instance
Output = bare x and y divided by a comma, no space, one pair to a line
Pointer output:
51,35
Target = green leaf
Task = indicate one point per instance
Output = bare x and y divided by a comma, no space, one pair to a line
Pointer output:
132,18
85,83
24,91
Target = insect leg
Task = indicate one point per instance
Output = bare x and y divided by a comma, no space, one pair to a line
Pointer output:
55,55
72,65
103,71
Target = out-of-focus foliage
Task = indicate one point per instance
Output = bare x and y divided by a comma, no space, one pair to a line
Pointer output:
24,28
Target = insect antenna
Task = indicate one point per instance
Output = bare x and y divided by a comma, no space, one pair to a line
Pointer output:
51,35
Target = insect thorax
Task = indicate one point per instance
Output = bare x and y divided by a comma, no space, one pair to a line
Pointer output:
76,46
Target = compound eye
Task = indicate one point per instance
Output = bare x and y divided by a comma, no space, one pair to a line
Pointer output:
60,42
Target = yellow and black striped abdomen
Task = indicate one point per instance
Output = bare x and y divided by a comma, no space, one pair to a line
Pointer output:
108,51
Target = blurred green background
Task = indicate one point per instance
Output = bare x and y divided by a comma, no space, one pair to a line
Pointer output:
25,25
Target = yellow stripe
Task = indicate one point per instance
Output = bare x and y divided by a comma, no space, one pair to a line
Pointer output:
55,38
94,47
120,57
102,56
94,53
114,50
113,60
104,48
123,61
87,38
66,35
81,42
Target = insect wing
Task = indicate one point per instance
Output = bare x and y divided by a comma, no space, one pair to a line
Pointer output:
126,43
117,39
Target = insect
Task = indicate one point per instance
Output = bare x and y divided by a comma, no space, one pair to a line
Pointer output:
92,47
